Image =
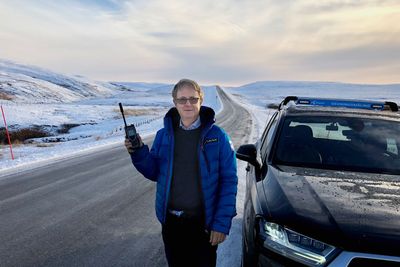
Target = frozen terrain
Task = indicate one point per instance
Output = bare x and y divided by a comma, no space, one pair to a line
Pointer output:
95,115
32,97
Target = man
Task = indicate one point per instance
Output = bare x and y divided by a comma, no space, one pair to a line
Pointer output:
193,162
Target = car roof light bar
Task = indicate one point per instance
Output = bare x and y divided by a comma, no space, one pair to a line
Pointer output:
341,103
345,103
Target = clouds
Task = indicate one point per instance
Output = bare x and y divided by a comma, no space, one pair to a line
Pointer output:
223,41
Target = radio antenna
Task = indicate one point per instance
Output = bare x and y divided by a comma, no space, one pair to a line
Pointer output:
122,112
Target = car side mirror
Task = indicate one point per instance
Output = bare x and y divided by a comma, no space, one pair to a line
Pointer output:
248,153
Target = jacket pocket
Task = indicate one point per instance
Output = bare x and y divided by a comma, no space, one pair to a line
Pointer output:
211,156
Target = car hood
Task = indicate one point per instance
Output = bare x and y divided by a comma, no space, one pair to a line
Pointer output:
353,211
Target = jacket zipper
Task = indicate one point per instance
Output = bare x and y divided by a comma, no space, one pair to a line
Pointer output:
208,174
168,182
205,156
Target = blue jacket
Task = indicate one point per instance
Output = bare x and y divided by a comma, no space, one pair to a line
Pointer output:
217,163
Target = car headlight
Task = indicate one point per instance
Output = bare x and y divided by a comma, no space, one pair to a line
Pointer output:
295,246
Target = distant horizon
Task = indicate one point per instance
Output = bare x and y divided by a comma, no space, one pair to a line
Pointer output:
265,81
225,42
203,84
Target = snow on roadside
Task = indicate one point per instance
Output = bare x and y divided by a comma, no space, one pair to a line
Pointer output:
33,156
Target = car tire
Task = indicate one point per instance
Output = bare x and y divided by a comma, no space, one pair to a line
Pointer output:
249,252
249,259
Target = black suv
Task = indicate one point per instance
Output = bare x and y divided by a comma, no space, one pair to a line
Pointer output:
323,186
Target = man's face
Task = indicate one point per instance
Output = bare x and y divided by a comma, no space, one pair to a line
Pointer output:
187,110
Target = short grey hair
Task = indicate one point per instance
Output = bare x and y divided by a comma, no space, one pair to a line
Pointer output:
187,82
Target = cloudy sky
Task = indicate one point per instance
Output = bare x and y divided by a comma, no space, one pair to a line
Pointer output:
229,42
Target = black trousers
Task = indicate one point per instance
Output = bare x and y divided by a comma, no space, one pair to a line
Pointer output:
187,244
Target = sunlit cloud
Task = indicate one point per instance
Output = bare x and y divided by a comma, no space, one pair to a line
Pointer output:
227,41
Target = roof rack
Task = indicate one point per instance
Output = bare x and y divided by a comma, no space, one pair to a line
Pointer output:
345,103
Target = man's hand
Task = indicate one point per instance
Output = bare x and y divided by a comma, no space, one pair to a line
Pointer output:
216,238
129,146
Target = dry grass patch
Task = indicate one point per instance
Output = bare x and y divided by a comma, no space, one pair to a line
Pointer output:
44,145
19,136
64,128
5,96
138,112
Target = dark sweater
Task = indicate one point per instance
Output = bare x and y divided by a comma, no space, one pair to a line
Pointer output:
185,189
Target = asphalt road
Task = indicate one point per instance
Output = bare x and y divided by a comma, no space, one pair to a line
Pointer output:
92,210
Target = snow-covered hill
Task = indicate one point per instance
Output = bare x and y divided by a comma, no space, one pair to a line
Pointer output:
74,113
265,92
30,84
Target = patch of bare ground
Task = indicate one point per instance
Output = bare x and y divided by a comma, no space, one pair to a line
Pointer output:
20,135
5,96
44,145
138,112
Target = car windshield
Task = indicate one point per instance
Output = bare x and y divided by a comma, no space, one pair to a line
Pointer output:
340,143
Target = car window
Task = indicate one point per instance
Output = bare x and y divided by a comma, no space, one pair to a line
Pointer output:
358,144
267,135
319,130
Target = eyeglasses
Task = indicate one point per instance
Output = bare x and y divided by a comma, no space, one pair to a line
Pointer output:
182,101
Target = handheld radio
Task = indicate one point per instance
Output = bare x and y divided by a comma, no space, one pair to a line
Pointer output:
130,130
